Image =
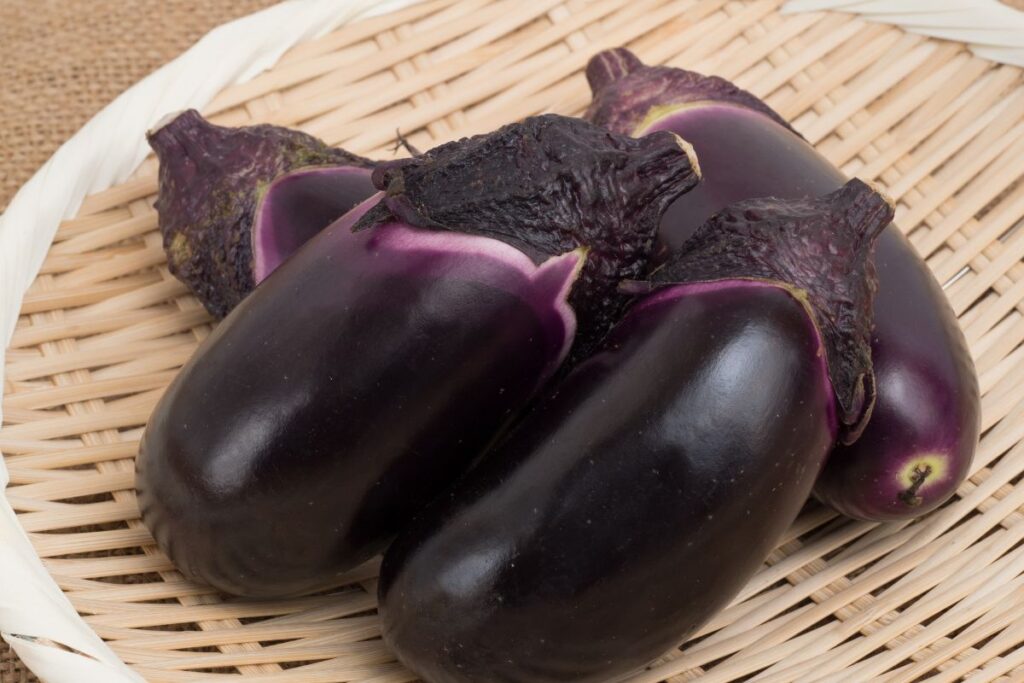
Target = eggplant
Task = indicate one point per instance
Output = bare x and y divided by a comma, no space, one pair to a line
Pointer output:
367,372
213,183
645,489
921,441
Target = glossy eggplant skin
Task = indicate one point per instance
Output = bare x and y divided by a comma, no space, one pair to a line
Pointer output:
928,408
629,506
319,415
369,370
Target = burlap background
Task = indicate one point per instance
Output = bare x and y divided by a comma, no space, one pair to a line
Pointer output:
60,62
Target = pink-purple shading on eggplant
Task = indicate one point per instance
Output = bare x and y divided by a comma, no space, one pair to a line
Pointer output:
298,205
643,491
918,447
211,181
372,367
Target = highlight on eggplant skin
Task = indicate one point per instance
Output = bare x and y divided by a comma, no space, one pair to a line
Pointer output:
372,367
924,430
211,180
642,492
772,240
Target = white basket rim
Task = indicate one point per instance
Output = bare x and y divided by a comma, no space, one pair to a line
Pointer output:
992,30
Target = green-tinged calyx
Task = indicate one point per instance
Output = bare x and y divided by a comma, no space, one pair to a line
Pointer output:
629,96
820,247
548,185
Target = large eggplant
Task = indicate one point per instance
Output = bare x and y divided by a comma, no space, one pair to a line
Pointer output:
920,443
234,202
642,492
372,366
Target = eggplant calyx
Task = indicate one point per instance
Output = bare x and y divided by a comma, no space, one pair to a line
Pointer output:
820,246
611,65
629,96
211,179
548,185
402,142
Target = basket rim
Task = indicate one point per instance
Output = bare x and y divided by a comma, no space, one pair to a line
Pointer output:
995,32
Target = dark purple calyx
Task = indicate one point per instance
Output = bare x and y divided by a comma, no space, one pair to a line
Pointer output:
549,185
629,95
211,180
821,250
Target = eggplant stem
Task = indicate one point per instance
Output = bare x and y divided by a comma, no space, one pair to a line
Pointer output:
402,142
920,475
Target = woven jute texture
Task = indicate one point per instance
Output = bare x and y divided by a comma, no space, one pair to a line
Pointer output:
11,668
105,327
62,60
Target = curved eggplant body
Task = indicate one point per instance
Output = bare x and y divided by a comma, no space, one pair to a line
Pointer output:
926,417
319,415
632,504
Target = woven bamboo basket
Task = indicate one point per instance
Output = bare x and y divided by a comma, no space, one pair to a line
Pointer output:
105,327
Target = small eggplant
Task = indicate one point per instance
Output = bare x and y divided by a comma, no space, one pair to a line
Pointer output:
644,490
920,443
212,180
368,371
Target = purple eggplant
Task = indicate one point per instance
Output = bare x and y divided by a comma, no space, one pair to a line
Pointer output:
213,184
366,373
920,443
642,492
